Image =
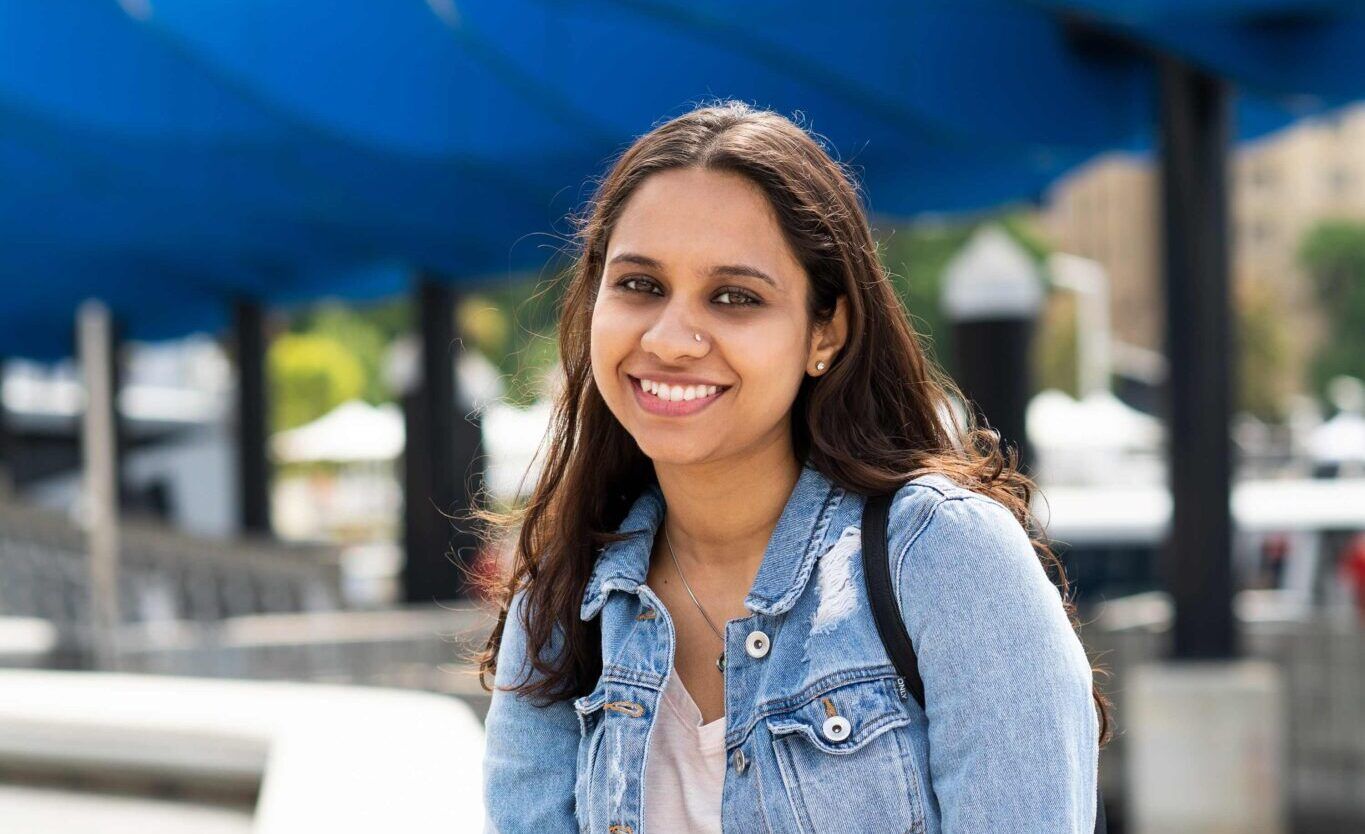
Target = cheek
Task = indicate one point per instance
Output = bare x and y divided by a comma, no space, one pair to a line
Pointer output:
610,340
771,361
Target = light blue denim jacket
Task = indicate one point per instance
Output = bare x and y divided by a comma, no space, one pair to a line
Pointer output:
819,732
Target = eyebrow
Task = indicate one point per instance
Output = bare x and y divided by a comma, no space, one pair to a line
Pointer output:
724,269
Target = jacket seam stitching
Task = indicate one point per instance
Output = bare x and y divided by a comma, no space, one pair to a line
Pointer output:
899,567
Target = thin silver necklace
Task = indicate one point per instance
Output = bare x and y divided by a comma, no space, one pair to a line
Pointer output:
720,661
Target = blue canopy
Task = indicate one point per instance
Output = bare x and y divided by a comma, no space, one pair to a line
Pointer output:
169,156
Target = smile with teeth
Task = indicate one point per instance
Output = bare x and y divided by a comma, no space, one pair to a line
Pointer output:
678,393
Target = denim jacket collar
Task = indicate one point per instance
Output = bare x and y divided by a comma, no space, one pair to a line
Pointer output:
787,561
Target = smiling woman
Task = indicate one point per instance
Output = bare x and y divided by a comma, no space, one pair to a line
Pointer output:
683,643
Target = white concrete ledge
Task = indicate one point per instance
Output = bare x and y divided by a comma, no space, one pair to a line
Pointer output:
329,758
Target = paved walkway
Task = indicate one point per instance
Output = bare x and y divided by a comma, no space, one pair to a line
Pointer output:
36,810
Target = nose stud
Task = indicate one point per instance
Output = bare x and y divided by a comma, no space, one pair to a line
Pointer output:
698,335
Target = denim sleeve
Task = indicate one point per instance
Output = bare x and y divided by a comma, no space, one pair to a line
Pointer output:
530,751
1013,733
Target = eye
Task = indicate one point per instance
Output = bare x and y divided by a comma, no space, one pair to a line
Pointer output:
747,299
624,282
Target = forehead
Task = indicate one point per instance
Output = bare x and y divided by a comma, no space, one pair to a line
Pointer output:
692,220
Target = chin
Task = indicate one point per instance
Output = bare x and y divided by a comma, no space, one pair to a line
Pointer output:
674,454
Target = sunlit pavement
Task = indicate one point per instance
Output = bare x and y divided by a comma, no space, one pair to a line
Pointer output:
34,810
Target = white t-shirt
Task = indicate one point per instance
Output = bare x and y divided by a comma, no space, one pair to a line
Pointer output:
685,772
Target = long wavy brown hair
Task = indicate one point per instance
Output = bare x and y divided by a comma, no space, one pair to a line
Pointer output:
882,415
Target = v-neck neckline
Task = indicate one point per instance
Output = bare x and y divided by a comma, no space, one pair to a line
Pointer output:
685,706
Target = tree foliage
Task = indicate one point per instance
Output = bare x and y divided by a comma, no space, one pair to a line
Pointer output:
310,374
358,331
1261,345
1333,252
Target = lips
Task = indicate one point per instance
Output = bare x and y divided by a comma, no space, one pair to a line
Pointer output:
672,408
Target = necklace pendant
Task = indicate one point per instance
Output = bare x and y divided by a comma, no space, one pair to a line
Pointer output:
720,663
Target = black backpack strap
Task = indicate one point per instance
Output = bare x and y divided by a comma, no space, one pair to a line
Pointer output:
887,614
877,569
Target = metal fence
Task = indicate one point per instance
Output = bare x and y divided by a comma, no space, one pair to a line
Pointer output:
164,575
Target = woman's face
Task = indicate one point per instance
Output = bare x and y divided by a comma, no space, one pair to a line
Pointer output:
701,252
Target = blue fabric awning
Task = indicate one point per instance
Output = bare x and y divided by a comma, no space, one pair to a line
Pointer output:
169,156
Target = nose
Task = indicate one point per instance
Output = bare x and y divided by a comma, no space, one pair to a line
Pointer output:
672,336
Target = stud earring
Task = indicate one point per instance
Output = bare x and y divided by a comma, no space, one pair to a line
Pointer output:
819,366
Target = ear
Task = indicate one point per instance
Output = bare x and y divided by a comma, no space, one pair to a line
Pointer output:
826,340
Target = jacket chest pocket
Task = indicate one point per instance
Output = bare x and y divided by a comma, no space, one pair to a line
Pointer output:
842,756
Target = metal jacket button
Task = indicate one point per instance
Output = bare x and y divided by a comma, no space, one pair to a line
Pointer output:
756,644
836,728
740,761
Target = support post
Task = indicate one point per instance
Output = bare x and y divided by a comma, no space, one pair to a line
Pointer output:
1197,561
99,464
253,464
992,294
1206,749
441,451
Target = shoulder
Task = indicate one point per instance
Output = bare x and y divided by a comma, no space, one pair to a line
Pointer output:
937,501
940,531
514,650
968,579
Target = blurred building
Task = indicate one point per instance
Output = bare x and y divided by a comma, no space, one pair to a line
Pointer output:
175,436
1281,186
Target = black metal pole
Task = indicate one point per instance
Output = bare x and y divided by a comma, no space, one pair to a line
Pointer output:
992,357
1197,560
253,464
992,294
417,509
436,457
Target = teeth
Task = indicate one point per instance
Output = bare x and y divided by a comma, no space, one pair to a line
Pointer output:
677,393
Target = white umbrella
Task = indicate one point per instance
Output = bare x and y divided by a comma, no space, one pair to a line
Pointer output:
1100,420
1339,440
353,431
1098,439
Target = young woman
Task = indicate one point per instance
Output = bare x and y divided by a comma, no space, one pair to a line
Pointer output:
685,642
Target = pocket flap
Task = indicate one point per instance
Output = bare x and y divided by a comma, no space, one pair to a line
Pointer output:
867,709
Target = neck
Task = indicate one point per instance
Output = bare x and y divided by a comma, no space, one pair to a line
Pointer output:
721,515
